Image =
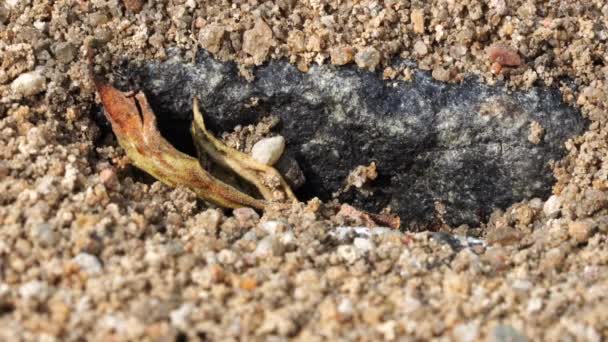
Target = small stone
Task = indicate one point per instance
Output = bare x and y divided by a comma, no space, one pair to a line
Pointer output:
257,41
296,41
12,3
180,316
503,55
88,263
345,308
264,247
552,206
368,58
274,227
440,74
466,332
534,305
341,55
269,150
420,48
536,133
506,333
553,260
226,257
65,52
210,37
388,330
44,235
417,17
245,215
250,236
35,290
348,253
29,83
363,244
41,26
98,19
108,178
134,6
288,238
580,231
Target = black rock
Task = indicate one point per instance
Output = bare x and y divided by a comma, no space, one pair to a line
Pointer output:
462,146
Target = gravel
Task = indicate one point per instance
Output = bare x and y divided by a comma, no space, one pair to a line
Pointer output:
535,270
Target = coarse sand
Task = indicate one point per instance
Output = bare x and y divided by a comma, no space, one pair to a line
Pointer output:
92,249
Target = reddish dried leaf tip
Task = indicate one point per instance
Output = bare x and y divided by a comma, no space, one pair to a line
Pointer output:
504,56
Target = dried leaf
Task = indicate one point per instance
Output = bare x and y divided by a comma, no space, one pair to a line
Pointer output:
134,124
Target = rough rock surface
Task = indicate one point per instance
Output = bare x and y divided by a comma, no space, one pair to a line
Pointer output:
443,151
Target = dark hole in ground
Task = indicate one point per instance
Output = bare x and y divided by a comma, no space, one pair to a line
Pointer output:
463,146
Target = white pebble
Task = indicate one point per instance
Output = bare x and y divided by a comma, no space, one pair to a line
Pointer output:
264,247
346,307
181,316
269,150
466,332
29,83
552,206
34,290
273,227
288,238
226,257
88,263
12,3
363,244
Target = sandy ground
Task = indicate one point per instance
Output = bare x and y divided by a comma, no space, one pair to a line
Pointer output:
91,248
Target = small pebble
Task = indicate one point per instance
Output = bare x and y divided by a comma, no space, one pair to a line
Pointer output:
226,257
210,37
506,333
45,235
288,238
29,83
341,55
108,178
363,244
180,316
441,74
88,263
134,6
466,332
417,17
505,56
580,231
420,48
268,150
273,227
368,58
35,290
552,206
257,41
65,52
346,308
264,247
245,215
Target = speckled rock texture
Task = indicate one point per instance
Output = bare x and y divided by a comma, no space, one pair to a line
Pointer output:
444,152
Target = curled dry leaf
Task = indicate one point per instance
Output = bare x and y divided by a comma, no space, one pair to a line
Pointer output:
134,124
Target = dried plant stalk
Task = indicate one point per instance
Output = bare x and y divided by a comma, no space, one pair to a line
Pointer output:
134,124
